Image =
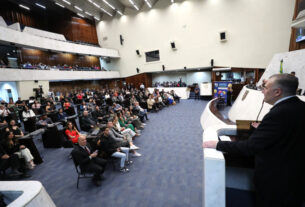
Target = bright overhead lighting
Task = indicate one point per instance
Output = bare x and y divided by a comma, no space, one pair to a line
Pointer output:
62,6
172,1
106,2
120,12
67,2
134,5
96,5
80,15
79,9
98,19
25,7
42,6
148,4
88,13
106,12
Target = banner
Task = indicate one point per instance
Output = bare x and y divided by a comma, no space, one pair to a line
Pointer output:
221,89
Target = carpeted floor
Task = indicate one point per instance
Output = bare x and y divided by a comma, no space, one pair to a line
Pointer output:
168,174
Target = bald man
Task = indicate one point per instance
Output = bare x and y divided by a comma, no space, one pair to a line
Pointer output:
87,159
277,145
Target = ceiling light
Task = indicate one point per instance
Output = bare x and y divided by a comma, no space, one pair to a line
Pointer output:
120,12
42,6
148,4
25,7
96,5
98,19
172,1
67,2
76,7
80,15
88,13
62,6
134,5
106,12
106,2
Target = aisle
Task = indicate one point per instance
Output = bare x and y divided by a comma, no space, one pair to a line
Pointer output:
168,174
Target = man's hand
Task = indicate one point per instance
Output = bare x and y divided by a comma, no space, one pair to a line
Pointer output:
98,143
118,150
94,154
255,124
210,144
22,147
5,156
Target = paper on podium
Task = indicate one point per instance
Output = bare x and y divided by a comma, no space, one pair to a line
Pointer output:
224,138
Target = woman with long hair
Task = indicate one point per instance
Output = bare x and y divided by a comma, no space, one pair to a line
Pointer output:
72,132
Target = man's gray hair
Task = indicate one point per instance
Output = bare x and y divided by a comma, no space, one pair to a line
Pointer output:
287,82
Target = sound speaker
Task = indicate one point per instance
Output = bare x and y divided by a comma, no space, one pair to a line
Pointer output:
184,67
138,52
223,36
163,67
121,40
36,81
173,45
138,70
212,62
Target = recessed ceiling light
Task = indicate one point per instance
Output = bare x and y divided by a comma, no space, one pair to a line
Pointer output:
96,5
134,5
25,7
98,19
67,2
80,15
62,6
79,9
110,5
148,4
120,12
42,6
88,13
106,12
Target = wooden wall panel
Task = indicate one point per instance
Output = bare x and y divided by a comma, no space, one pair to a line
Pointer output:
50,58
299,6
62,21
68,86
136,80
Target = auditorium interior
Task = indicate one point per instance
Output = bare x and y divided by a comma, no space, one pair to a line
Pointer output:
166,75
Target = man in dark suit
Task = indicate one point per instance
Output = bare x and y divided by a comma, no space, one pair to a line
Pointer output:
277,144
88,160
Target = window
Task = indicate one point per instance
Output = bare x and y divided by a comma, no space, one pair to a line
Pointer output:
152,56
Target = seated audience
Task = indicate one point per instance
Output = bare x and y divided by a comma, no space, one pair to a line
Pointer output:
106,144
15,129
72,132
29,119
11,146
87,159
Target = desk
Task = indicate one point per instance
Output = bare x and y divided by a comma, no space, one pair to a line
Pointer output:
182,92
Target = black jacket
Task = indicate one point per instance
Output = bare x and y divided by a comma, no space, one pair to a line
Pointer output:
278,146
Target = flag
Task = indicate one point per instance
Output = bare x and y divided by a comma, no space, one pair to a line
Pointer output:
281,67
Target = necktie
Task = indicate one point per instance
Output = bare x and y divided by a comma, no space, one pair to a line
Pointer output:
87,149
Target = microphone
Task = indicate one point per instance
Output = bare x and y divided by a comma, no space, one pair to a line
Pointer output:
260,111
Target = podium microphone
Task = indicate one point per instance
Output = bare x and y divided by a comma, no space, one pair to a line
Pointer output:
260,111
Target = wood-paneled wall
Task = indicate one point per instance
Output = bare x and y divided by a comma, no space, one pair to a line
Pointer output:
62,21
50,58
299,6
145,78
68,86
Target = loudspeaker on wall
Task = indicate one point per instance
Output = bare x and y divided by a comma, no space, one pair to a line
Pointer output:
223,36
121,40
212,62
138,52
163,67
173,45
138,70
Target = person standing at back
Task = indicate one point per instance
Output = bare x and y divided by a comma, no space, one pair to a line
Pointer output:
277,145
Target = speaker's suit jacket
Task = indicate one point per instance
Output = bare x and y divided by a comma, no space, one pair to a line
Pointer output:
278,146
